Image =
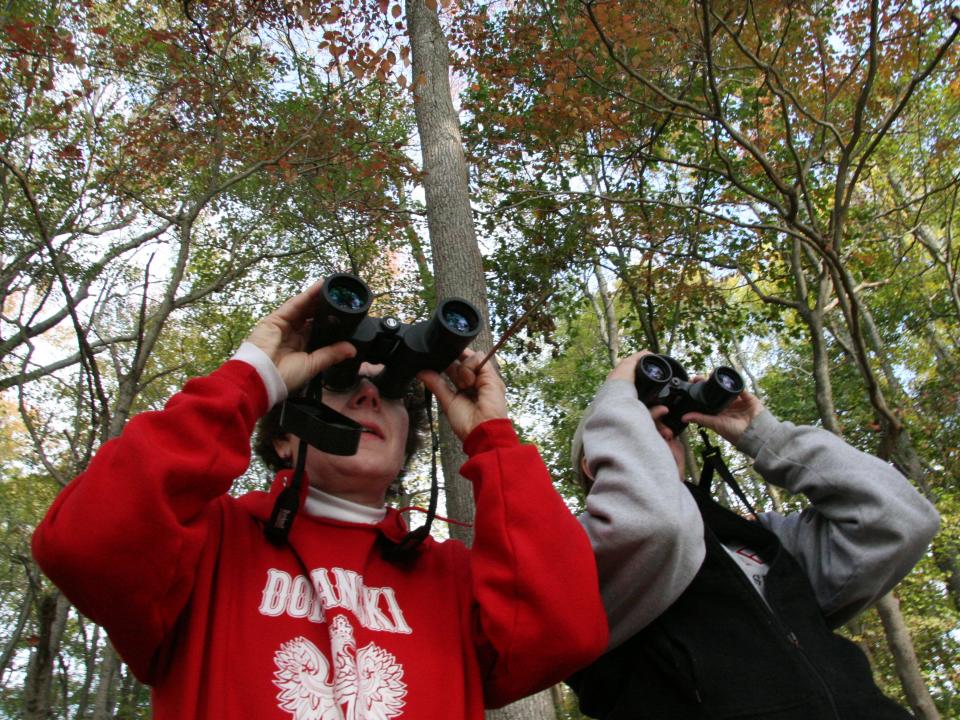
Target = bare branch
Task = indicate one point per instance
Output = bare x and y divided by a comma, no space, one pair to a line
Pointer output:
901,103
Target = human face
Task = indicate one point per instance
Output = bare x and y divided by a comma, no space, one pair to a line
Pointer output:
365,476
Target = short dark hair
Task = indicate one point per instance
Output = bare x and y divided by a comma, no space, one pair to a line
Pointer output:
268,429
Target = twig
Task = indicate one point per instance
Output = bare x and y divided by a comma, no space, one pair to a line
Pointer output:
511,331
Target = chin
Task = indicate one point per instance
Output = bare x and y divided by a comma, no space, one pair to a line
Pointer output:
373,471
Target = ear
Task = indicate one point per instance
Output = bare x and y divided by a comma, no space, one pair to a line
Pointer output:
585,469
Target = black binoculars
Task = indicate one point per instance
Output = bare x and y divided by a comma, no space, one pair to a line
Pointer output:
661,380
403,349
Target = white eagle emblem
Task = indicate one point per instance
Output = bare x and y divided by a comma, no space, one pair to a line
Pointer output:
368,681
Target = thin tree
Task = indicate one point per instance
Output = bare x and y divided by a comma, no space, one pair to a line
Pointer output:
457,263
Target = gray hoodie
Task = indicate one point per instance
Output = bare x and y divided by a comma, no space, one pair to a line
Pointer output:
866,528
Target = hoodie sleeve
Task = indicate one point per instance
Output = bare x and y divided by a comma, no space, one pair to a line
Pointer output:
538,613
867,526
122,540
644,525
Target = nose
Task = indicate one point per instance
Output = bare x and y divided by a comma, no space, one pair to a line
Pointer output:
367,395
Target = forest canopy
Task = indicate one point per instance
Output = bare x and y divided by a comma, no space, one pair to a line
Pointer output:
772,186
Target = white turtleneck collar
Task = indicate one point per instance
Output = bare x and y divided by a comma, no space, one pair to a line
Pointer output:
325,505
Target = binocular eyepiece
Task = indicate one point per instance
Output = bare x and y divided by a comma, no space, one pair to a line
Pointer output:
403,349
661,380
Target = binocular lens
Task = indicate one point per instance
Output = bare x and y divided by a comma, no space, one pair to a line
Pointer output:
651,376
655,372
729,380
347,297
719,390
654,369
457,321
459,317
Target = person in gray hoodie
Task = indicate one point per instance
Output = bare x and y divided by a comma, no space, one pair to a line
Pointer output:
713,615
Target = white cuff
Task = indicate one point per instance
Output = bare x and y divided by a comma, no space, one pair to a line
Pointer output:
253,355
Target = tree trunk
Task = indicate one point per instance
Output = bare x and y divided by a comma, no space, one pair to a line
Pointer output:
813,317
458,266
106,689
643,306
906,658
53,608
13,641
903,453
82,700
611,332
897,446
128,694
946,560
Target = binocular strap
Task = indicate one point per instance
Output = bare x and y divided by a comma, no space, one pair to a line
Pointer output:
713,460
412,539
287,504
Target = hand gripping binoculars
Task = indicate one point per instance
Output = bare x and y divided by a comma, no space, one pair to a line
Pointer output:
661,380
403,349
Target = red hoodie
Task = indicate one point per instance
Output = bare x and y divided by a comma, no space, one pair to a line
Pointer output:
222,624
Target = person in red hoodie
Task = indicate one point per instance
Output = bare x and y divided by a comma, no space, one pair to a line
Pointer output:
149,543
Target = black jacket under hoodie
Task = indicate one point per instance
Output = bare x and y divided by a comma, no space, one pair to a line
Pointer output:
720,652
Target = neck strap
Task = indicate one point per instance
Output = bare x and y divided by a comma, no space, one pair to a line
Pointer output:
411,541
713,460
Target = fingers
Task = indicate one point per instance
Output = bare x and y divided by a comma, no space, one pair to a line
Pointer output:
486,374
285,325
659,411
626,368
463,372
297,368
329,355
435,383
298,307
729,426
472,395
707,421
465,375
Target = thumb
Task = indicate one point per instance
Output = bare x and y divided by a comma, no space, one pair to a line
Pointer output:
694,417
717,423
329,355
